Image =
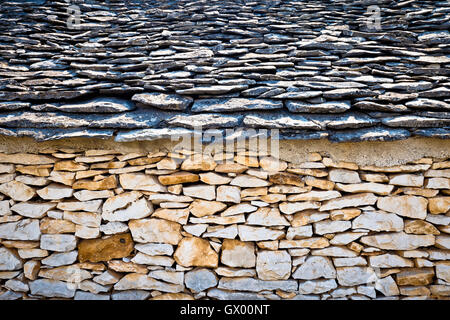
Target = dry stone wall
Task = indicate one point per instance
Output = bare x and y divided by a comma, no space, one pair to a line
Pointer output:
97,224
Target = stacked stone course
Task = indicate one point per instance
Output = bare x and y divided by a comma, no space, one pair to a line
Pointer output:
99,224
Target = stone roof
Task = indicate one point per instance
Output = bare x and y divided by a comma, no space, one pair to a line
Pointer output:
140,70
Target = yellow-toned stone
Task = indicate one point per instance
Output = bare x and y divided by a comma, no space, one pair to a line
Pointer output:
328,162
354,246
273,198
439,205
31,269
176,215
109,165
247,161
105,184
121,266
19,244
25,159
144,161
63,177
308,216
271,164
268,245
427,193
319,173
69,165
415,277
201,208
175,189
231,168
344,214
196,252
254,192
286,178
374,177
312,243
198,163
319,183
114,247
39,171
420,227
169,164
54,226
178,178
313,156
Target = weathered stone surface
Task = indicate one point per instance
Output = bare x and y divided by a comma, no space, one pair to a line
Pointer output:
71,274
214,178
376,188
236,253
163,101
378,221
228,194
178,177
200,279
136,210
349,201
104,184
200,191
389,261
17,191
196,252
344,176
273,265
398,241
248,233
155,230
25,159
314,268
443,271
139,181
89,206
420,227
144,259
234,104
202,208
51,288
407,206
293,207
351,276
138,281
247,181
286,178
26,229
198,163
317,286
439,205
55,192
114,247
415,277
58,259
58,242
8,260
32,210
407,180
387,286
329,226
267,217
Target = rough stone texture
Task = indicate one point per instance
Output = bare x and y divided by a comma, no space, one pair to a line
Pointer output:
196,252
114,247
251,228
